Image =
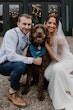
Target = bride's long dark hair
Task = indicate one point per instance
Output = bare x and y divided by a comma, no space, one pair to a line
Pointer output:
54,14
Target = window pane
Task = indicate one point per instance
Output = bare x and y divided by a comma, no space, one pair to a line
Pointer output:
52,7
36,13
13,13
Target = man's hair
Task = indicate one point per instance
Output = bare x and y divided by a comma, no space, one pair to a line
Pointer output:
24,15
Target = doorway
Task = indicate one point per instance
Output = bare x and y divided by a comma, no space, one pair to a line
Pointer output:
40,10
9,12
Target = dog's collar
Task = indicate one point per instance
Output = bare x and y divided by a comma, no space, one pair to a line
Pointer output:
35,52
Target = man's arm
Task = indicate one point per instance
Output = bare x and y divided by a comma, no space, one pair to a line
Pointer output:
11,44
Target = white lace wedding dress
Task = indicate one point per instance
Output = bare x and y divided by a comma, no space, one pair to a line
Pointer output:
59,75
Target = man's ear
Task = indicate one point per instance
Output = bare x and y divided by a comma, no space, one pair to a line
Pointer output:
17,23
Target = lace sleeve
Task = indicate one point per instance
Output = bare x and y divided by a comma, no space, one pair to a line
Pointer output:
60,48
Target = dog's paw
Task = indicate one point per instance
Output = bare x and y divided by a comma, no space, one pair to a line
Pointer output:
40,97
25,90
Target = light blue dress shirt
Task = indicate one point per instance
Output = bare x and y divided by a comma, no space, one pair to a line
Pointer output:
14,42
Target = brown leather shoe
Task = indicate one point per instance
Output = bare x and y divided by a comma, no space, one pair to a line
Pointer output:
16,100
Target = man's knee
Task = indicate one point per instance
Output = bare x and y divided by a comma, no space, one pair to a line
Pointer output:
21,67
18,70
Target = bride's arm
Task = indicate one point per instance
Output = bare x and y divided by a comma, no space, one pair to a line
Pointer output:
49,49
60,48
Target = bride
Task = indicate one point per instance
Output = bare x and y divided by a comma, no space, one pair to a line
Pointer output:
58,72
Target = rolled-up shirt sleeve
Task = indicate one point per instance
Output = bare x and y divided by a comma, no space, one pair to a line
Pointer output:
10,47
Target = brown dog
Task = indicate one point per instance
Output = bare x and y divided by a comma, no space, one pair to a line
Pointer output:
35,73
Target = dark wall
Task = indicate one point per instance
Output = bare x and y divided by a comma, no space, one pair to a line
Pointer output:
11,0
71,14
44,0
67,19
63,15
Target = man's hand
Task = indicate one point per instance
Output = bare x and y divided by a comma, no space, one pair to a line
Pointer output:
37,61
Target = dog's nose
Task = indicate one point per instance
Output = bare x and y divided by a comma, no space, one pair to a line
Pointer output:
39,34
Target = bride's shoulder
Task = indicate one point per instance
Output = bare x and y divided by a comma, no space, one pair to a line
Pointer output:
60,39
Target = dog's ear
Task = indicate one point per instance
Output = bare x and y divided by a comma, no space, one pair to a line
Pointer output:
45,30
47,39
47,35
31,32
